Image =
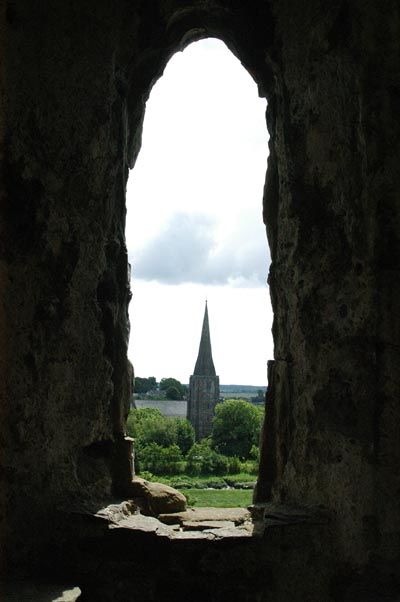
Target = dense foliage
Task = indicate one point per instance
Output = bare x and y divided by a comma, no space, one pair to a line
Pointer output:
167,445
173,393
169,388
148,425
236,428
172,387
143,385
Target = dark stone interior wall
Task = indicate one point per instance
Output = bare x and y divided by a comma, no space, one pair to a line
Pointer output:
77,76
66,290
332,215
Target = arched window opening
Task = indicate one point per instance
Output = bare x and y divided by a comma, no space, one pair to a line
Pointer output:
194,232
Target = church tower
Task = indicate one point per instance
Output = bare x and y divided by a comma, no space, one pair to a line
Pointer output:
203,386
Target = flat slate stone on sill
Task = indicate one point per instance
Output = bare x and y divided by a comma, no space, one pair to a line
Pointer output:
237,515
196,525
193,524
193,535
145,524
230,532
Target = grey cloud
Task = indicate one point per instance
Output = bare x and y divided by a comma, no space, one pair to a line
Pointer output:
186,251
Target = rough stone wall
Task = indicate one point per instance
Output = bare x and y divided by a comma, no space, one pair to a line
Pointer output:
332,213
65,289
76,78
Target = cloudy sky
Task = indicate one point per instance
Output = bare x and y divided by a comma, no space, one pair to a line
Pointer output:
194,226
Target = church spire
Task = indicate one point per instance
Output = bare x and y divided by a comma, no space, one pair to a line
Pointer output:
205,365
203,386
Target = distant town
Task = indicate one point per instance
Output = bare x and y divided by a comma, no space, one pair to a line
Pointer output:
171,389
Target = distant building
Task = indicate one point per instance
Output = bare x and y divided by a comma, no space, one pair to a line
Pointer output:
203,386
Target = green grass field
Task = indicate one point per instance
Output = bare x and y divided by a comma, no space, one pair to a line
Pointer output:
200,481
219,498
210,490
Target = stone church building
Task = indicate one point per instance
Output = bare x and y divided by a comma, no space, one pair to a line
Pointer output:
203,386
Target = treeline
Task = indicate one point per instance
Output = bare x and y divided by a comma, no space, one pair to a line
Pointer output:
167,388
172,389
167,445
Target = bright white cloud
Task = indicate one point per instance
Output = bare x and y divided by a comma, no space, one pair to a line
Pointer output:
204,146
194,216
187,251
180,251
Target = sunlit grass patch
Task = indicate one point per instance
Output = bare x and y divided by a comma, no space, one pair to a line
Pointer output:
219,498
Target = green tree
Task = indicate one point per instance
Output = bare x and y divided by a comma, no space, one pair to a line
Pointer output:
166,383
202,459
185,435
149,457
160,430
139,420
163,433
255,453
236,427
172,457
143,385
199,458
173,393
148,425
160,460
234,465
